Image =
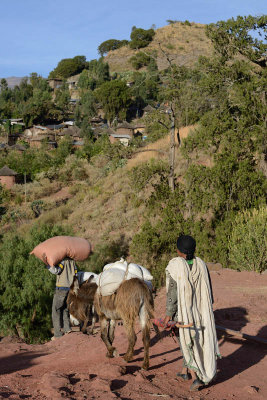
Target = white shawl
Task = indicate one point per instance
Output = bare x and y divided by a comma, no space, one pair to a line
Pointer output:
198,344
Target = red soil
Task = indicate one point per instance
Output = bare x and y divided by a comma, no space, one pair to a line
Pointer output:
75,366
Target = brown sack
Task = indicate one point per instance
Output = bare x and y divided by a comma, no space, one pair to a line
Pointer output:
57,248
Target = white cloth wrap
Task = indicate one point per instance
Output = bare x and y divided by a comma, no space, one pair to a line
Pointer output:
198,344
84,275
114,274
136,270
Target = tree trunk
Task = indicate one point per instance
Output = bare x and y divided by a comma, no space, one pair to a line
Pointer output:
172,152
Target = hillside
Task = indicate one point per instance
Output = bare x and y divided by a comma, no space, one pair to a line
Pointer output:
13,81
100,206
183,43
134,200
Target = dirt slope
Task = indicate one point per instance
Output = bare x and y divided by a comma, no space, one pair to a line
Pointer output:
75,366
183,43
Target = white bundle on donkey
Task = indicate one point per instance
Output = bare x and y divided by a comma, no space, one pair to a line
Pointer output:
123,294
115,273
84,275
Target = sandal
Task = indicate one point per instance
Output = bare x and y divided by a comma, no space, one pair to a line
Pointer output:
196,385
185,377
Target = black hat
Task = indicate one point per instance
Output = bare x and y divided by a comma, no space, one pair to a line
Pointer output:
187,245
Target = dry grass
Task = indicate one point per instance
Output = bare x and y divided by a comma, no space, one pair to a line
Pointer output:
183,43
109,208
161,147
37,190
106,208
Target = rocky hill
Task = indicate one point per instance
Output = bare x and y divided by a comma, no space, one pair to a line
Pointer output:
183,43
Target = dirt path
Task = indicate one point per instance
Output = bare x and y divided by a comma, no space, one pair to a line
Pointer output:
75,366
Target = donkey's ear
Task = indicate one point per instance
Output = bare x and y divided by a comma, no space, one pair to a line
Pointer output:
75,285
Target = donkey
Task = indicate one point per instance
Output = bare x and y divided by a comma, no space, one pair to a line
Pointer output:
80,302
133,298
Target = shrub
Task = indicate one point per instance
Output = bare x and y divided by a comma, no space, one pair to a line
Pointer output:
106,252
170,46
37,207
172,21
143,174
26,286
247,243
186,22
111,44
74,169
115,97
69,67
140,60
141,37
57,214
157,125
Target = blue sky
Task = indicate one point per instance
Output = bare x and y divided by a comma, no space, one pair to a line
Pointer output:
35,35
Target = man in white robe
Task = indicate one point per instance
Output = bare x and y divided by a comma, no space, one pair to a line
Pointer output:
189,301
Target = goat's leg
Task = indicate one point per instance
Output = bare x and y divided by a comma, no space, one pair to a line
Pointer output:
104,326
146,343
129,326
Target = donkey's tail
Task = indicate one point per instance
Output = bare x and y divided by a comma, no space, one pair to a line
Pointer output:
146,311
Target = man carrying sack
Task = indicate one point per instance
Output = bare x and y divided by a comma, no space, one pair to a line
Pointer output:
65,271
189,301
59,253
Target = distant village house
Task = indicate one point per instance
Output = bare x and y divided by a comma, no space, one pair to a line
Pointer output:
125,129
55,83
7,177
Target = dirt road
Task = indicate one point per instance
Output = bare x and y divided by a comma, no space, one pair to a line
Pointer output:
75,366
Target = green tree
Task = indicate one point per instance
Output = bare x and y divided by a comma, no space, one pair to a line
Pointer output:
111,44
145,89
3,85
96,74
62,100
140,60
141,37
235,36
207,199
39,108
115,99
69,67
87,105
38,82
26,287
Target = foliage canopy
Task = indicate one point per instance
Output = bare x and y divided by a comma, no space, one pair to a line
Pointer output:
141,37
68,67
26,287
111,44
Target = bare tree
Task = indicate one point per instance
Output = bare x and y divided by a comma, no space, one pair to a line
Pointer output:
172,95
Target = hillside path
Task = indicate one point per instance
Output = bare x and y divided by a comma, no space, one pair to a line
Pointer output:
75,366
